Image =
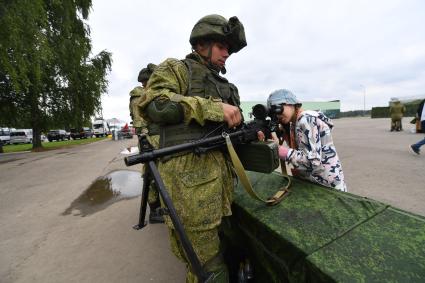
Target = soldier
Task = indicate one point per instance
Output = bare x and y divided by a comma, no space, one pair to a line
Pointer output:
189,99
149,129
397,110
137,94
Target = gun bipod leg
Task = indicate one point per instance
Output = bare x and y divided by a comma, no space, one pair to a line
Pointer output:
144,201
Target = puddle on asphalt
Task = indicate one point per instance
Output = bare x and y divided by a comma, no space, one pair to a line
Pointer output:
106,190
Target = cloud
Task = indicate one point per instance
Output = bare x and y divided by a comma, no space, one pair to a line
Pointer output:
321,50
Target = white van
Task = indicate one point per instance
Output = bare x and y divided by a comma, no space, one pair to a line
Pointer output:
21,136
5,135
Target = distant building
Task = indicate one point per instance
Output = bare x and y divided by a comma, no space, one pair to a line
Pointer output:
331,109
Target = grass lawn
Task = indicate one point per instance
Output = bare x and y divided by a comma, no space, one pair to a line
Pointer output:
49,145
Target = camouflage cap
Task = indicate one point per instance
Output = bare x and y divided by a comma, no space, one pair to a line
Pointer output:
282,96
216,27
145,73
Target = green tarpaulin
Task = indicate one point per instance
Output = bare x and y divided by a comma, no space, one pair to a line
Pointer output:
321,235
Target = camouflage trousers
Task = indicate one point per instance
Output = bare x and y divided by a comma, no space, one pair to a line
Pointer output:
201,188
396,124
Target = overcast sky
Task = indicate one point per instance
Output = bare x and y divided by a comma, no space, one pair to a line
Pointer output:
320,50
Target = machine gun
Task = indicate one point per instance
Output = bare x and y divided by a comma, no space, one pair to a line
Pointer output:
244,134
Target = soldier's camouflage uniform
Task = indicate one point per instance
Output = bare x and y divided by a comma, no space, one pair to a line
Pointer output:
141,126
139,123
397,110
200,186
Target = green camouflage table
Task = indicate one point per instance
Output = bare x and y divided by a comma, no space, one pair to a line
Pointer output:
321,235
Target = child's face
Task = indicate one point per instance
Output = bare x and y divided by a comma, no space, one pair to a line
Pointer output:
288,112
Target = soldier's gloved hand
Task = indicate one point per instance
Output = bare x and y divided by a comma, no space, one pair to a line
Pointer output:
232,115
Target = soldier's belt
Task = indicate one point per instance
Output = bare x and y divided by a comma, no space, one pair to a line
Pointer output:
182,133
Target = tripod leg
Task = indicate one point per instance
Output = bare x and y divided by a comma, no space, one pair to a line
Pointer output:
144,201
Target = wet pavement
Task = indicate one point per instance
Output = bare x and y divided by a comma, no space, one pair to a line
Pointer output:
106,190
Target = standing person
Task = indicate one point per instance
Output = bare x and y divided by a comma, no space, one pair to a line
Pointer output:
308,133
151,130
397,110
136,95
190,99
421,115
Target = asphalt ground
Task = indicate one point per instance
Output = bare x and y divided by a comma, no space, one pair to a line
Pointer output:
378,164
39,242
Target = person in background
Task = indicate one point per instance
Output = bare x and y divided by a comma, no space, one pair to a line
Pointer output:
311,148
138,94
151,130
415,148
397,110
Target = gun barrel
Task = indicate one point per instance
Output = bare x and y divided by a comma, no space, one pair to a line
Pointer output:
158,153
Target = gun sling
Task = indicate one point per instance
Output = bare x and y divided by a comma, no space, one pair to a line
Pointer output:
240,171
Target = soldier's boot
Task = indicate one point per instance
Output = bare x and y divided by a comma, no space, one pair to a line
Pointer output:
154,215
219,270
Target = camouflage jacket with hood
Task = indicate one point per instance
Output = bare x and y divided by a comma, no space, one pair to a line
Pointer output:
316,158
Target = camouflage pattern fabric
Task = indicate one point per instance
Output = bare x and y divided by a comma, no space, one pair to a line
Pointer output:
319,234
153,196
140,124
136,95
397,110
316,158
170,82
201,196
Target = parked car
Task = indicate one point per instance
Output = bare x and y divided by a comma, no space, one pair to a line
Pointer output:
88,133
5,135
58,135
21,136
83,133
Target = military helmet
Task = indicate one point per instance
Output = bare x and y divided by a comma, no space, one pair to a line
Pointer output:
282,96
145,73
216,27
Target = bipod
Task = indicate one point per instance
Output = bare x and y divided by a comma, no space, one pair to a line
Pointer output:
143,202
151,172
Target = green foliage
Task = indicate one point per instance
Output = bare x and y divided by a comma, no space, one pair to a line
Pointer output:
47,77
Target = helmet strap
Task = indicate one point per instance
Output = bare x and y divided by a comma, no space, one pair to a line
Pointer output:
208,59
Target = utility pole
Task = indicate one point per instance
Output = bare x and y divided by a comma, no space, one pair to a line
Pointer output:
364,100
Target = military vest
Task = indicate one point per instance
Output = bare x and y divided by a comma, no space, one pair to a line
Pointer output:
206,83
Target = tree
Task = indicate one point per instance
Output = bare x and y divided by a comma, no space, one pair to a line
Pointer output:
47,77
